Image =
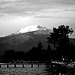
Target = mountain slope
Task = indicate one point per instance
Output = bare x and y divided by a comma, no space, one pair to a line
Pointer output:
24,41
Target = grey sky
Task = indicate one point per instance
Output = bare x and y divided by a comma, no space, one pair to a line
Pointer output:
16,14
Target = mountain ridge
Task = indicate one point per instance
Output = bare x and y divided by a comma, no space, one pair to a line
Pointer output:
25,41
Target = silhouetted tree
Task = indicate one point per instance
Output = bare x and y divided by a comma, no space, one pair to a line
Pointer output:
8,56
35,53
64,32
49,52
69,52
49,48
42,52
53,38
11,55
60,36
40,47
19,55
32,55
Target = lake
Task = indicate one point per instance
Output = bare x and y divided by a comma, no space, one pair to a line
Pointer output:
41,69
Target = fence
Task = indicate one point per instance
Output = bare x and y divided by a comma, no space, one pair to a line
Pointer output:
18,65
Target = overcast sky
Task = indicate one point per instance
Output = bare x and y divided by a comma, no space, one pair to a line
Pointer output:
16,14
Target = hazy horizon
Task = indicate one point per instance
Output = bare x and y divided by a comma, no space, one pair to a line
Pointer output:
16,14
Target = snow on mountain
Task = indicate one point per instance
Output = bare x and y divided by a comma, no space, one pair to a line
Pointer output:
31,28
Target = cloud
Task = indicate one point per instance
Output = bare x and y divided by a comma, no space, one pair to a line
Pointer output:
8,0
26,7
54,17
12,0
56,13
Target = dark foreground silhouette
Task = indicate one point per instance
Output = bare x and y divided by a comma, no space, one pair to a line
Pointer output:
62,49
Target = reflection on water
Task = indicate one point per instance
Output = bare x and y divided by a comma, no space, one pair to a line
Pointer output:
41,69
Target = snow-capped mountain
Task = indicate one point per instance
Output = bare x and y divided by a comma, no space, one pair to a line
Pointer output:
25,39
31,28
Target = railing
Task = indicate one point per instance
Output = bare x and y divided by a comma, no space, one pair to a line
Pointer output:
19,65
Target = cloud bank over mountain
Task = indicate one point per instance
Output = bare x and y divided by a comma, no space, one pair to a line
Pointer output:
15,14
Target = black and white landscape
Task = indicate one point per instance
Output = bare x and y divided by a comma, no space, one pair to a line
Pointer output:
38,45
37,37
